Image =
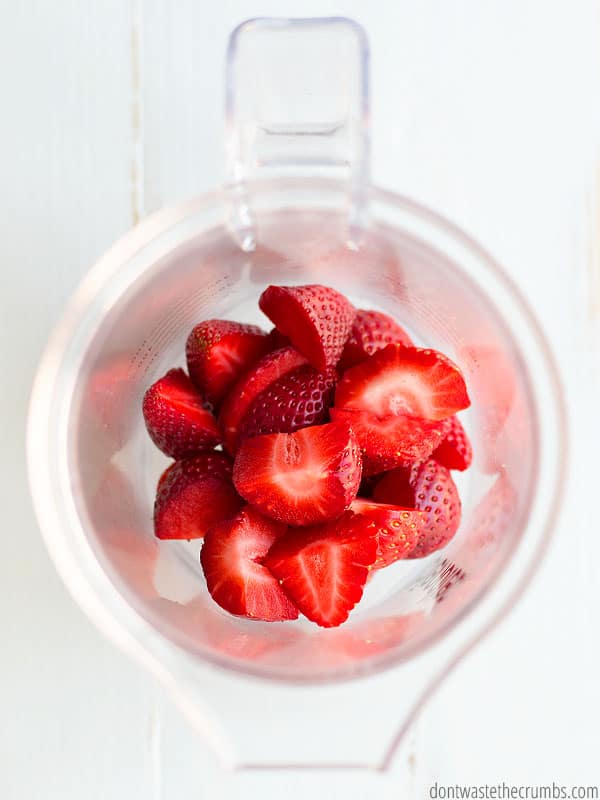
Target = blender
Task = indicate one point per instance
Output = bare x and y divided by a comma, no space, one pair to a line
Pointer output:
297,208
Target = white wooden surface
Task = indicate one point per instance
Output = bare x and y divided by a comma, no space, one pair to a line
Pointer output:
486,110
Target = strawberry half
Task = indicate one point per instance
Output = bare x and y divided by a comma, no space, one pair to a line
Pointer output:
315,318
219,351
237,581
324,568
427,487
300,478
455,451
371,331
391,441
176,419
194,494
248,388
297,400
398,529
404,380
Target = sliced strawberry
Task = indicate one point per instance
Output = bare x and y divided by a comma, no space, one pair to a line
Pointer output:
429,488
300,478
455,451
219,351
324,568
398,529
247,389
277,340
316,319
296,400
194,494
404,380
371,331
176,419
237,581
391,441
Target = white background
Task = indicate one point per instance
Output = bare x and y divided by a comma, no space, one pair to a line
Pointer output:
486,110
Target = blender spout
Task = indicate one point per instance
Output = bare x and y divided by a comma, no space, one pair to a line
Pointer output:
297,104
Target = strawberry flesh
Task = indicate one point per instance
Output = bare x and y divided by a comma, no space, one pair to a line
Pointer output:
371,331
176,418
219,351
302,478
427,487
404,380
243,395
297,400
231,560
194,494
315,318
393,440
323,568
455,452
398,529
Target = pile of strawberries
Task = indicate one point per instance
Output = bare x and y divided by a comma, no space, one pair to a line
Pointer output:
307,457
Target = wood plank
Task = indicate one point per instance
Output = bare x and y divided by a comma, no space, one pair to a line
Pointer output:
76,714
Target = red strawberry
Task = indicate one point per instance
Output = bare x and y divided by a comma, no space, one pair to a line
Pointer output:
247,389
429,488
297,400
317,320
237,581
176,419
277,340
219,351
300,478
404,380
391,441
455,451
371,331
398,529
194,494
324,568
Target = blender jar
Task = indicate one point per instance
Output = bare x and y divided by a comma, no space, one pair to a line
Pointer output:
297,208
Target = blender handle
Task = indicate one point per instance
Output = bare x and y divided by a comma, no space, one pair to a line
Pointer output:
297,103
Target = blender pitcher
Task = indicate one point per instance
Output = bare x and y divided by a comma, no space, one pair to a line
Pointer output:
297,209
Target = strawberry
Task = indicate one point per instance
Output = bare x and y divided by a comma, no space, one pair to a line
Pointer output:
176,419
429,488
237,581
404,380
219,351
277,340
300,478
398,529
323,568
455,451
273,366
391,441
296,400
371,331
194,494
316,319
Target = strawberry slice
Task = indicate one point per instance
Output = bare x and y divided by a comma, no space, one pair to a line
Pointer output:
247,389
316,319
404,380
194,494
324,568
237,581
398,529
455,452
176,419
371,331
297,400
219,351
277,340
427,487
300,478
391,441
